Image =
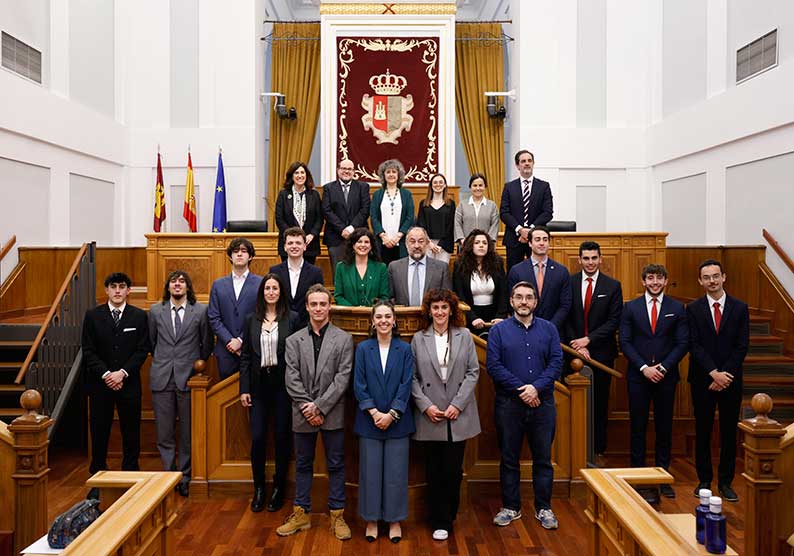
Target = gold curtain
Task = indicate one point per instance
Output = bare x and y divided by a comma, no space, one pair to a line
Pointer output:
479,67
296,73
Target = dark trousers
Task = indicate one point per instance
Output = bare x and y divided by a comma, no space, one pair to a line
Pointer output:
388,255
602,382
514,421
641,393
336,253
128,405
444,473
705,402
334,444
515,253
270,407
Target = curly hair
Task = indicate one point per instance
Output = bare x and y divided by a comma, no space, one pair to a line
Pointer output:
350,253
467,260
391,164
288,181
395,331
442,295
173,275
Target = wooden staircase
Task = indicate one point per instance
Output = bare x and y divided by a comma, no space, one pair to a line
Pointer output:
15,342
767,369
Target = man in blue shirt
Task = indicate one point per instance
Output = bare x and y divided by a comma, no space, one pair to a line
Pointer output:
524,360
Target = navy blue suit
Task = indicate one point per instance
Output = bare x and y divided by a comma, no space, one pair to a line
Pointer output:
309,276
724,352
555,300
641,346
227,314
511,211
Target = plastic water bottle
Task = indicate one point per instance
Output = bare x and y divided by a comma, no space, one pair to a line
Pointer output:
701,511
716,531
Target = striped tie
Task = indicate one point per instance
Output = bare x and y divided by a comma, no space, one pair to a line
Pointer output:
526,190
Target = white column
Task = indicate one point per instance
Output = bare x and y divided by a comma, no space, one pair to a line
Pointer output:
59,47
716,47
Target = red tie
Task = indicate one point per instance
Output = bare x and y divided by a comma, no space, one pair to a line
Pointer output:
654,316
588,299
717,317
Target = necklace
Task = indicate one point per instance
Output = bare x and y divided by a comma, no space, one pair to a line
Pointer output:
392,199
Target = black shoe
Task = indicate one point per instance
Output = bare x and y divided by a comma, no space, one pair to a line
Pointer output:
728,493
258,503
276,499
700,486
650,495
183,489
667,491
93,494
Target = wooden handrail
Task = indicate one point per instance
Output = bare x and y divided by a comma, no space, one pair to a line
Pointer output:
592,362
778,249
7,247
50,314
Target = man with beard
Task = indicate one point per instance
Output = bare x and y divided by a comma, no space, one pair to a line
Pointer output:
412,276
524,360
179,333
654,337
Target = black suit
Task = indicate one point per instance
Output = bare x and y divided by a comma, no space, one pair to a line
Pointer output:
340,214
724,352
110,347
511,211
309,276
269,399
603,320
312,224
500,308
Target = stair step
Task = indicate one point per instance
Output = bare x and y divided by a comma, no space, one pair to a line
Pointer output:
760,325
8,414
778,390
782,411
764,344
19,331
768,365
15,343
12,388
10,393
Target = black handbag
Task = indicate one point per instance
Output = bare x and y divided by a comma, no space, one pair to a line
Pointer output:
72,522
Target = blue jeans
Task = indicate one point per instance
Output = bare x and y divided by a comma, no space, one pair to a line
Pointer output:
334,444
514,420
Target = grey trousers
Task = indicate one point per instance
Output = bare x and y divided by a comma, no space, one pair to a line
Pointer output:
167,405
335,253
383,479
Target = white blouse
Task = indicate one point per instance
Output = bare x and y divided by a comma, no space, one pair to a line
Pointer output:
442,350
390,213
268,341
481,289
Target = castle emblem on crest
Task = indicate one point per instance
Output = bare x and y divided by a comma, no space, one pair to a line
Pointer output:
387,112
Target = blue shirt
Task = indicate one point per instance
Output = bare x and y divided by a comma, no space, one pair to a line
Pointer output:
519,355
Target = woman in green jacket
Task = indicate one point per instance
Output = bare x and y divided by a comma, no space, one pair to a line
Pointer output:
391,211
360,278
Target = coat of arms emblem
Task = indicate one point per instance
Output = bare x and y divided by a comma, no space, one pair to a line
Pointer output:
387,112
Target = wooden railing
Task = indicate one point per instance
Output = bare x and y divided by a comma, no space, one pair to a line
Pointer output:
51,358
24,470
769,479
7,247
778,249
591,362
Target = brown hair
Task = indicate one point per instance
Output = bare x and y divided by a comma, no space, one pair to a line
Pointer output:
429,194
448,296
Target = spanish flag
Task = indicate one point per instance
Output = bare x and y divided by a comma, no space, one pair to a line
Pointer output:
189,210
159,198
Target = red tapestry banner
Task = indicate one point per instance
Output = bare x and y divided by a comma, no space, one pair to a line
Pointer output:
387,105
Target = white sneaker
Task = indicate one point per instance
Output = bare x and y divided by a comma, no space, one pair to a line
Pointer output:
440,535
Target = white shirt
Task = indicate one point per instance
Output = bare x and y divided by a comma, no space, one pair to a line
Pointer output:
237,282
585,282
181,310
112,308
477,206
711,301
649,306
390,219
268,342
442,350
530,179
481,289
294,276
384,356
422,267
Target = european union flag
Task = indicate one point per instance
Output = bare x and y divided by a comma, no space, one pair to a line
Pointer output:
219,210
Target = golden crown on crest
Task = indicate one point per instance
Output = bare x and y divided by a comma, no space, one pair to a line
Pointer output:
387,84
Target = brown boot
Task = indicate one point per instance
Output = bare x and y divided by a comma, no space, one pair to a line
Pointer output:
297,521
338,526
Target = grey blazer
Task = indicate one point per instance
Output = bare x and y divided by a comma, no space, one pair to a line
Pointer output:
169,354
428,388
467,220
324,385
436,276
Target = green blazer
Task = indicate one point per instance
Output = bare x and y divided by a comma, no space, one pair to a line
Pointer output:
406,216
351,290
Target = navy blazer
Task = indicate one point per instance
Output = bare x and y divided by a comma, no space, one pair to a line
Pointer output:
724,351
340,214
312,224
511,209
310,275
383,391
602,321
642,347
555,300
227,313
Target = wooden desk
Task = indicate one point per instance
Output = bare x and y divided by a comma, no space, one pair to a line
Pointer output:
684,524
